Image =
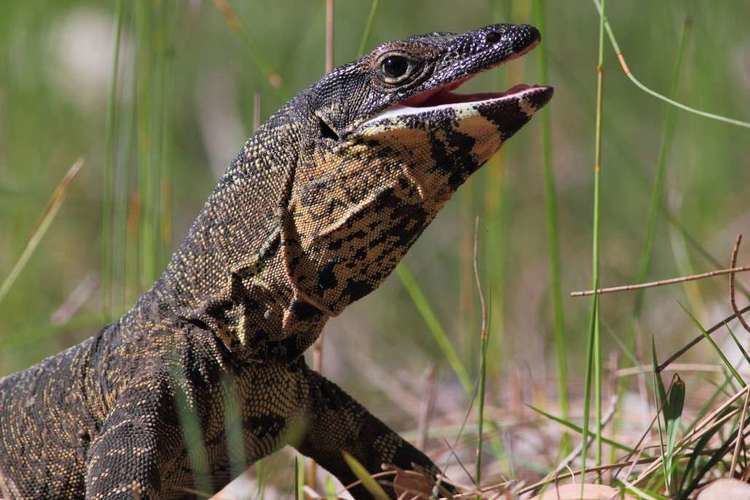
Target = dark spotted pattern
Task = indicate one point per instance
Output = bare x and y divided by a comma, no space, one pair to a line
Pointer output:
205,374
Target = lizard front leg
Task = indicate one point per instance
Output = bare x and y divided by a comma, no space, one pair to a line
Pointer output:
336,423
139,451
123,461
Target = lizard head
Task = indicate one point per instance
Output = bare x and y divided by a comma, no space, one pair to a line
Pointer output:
393,142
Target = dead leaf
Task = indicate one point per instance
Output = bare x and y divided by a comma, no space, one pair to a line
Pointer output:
411,485
573,492
725,489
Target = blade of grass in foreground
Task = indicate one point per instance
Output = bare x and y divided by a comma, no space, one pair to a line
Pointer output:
599,4
368,28
192,435
433,324
484,343
272,77
553,240
657,189
53,206
108,192
729,366
299,478
570,425
369,482
317,348
593,361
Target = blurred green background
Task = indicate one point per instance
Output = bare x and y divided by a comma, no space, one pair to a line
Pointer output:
183,104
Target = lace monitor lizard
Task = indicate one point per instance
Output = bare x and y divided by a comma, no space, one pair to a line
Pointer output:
315,211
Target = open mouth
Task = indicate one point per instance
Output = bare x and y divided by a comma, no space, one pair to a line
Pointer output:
444,95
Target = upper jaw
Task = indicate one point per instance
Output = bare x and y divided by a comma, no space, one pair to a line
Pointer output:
437,95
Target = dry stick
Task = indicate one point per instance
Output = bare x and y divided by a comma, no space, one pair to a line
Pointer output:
595,468
638,448
427,407
318,346
48,215
652,284
681,367
733,300
377,475
700,337
740,430
735,251
736,314
696,244
484,338
644,88
460,463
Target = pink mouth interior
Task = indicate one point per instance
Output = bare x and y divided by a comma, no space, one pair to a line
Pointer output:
443,95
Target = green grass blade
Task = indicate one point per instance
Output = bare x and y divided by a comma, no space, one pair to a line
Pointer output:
110,132
657,189
369,482
593,361
712,116
484,344
299,477
330,489
727,364
739,345
193,436
570,425
433,324
368,28
234,428
553,239
272,78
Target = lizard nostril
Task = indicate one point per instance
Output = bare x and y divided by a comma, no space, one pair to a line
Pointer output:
493,37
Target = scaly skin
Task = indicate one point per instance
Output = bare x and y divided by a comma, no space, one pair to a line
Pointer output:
317,209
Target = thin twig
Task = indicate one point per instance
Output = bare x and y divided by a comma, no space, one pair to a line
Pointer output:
732,297
484,338
452,452
53,205
631,76
740,425
595,468
427,406
681,367
652,284
700,337
329,35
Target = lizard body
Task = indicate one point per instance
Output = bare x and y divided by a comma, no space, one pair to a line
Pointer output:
316,210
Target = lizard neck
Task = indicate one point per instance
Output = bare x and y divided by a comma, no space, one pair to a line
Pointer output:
229,273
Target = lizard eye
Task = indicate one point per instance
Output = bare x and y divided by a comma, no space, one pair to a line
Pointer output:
396,68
